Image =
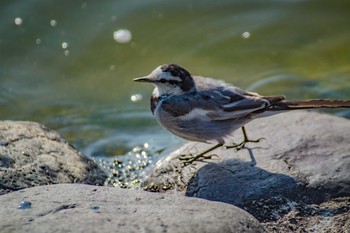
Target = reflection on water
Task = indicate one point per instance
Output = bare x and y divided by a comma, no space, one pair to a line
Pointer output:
71,65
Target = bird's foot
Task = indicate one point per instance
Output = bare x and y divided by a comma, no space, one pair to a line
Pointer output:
241,145
190,158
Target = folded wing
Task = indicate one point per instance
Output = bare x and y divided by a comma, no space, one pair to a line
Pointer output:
218,101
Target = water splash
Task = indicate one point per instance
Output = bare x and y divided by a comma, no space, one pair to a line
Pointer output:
128,171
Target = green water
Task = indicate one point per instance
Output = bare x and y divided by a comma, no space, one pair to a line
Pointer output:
61,66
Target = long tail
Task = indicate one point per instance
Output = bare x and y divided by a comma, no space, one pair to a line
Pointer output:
306,104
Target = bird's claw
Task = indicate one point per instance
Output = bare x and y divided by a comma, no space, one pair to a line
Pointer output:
189,159
186,157
241,145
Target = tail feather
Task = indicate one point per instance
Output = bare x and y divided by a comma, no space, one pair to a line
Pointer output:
274,98
307,104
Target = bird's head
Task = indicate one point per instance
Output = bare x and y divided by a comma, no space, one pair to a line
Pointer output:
170,79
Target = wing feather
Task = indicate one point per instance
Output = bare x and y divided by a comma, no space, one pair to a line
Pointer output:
214,100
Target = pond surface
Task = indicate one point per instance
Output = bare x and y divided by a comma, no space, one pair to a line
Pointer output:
69,64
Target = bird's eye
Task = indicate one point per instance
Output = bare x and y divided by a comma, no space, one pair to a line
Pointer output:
162,80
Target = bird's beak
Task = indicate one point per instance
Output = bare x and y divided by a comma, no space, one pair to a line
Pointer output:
142,79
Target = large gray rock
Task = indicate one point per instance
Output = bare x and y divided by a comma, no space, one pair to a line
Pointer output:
304,160
32,155
83,208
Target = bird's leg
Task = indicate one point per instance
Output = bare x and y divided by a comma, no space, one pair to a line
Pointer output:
245,140
189,160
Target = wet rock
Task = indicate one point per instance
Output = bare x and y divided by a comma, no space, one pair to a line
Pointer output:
32,155
304,161
83,208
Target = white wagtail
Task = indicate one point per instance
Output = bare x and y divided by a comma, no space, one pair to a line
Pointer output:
206,110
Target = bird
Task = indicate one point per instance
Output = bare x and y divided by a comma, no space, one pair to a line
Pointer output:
208,110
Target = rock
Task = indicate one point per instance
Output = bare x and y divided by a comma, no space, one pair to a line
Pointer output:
329,216
83,208
32,155
304,162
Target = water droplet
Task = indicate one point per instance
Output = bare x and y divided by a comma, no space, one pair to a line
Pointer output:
94,207
64,45
24,205
38,41
122,36
18,21
112,67
246,35
53,23
66,52
83,5
144,154
136,98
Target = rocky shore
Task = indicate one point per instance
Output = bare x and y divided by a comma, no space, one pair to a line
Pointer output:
296,180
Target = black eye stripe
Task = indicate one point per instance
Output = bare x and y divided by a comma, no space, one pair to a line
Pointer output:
168,81
186,82
173,82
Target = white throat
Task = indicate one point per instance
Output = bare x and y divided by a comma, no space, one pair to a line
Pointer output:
167,90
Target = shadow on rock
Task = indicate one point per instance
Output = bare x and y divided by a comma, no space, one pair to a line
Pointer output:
235,181
266,195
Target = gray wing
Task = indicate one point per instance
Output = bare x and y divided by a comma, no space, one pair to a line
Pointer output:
214,104
227,101
239,105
